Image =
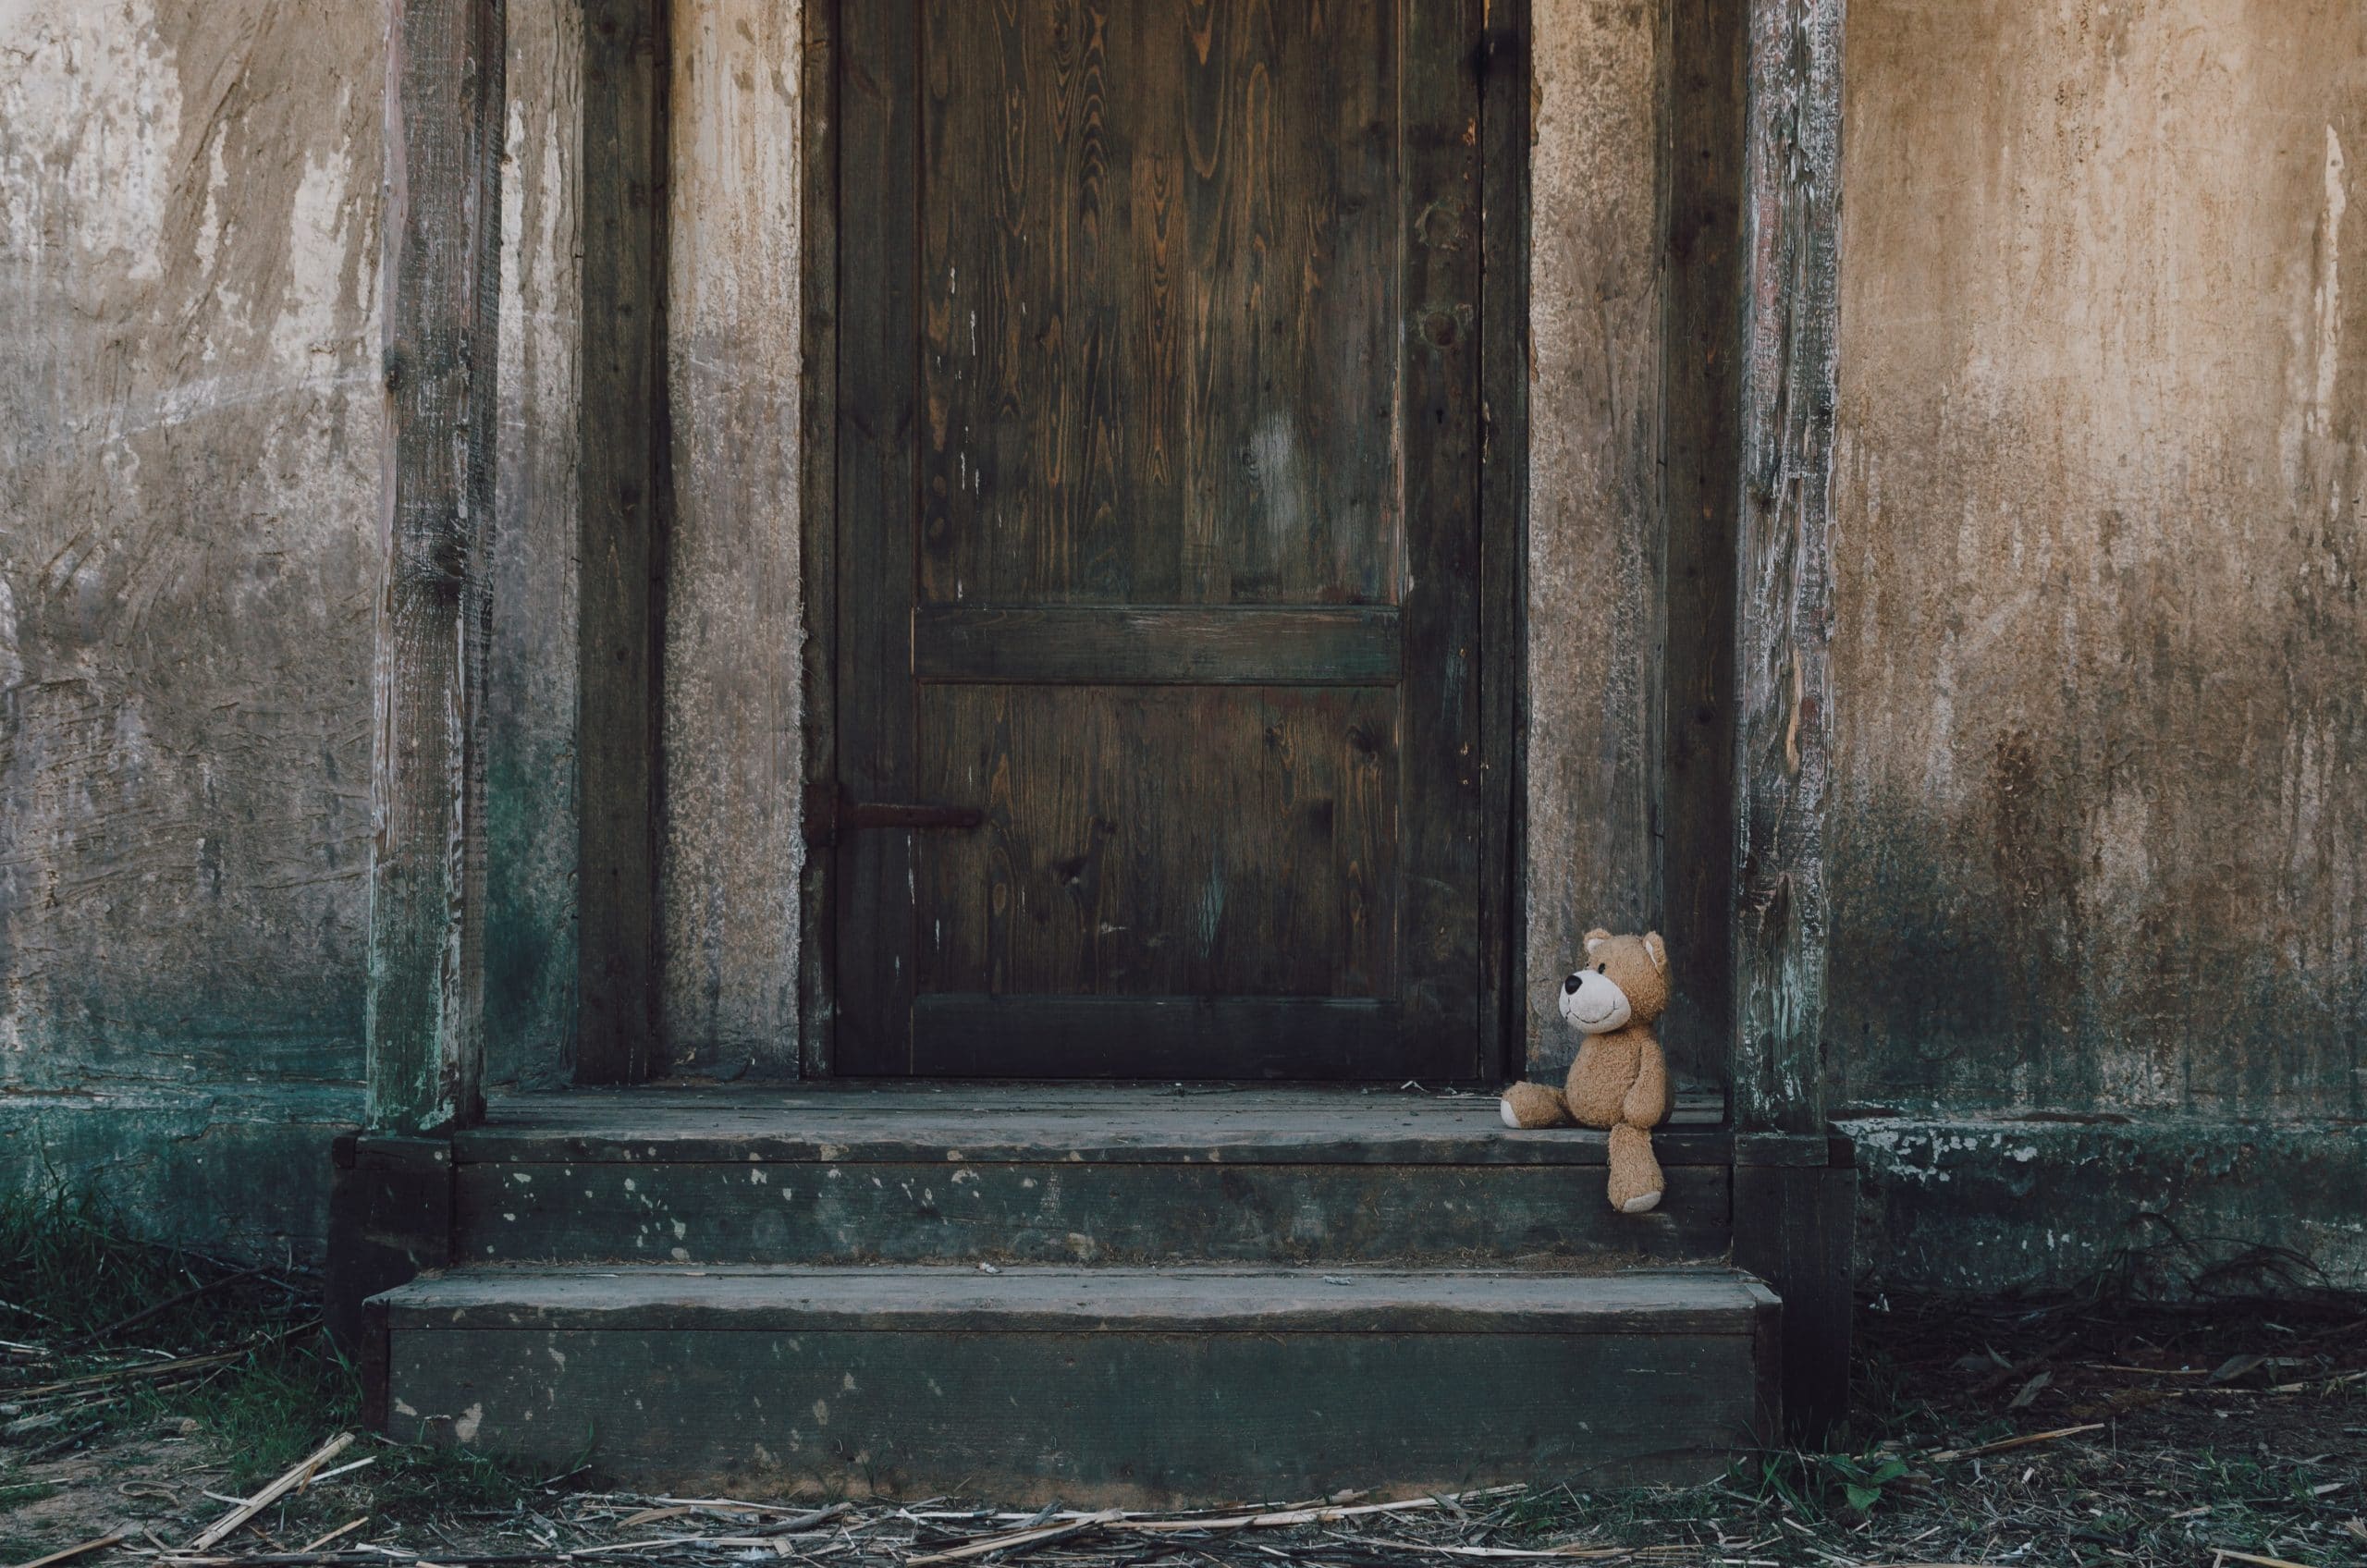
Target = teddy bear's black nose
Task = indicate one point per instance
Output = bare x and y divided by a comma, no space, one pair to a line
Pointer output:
1570,986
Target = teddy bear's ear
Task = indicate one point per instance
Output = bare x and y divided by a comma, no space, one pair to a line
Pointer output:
1596,938
1659,950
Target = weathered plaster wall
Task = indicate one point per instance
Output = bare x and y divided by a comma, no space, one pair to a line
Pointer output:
190,427
1594,451
191,420
2100,823
731,851
2098,844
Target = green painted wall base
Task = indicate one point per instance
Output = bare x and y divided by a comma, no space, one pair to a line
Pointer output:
242,1170
2174,1204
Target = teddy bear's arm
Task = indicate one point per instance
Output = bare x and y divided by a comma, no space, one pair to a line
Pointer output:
1646,1104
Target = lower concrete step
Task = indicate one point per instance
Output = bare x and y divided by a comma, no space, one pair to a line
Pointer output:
1131,1386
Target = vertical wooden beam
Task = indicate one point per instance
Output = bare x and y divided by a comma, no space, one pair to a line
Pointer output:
1697,488
442,272
1596,270
621,544
818,516
1505,84
1795,1214
1795,1193
1440,458
878,415
1784,592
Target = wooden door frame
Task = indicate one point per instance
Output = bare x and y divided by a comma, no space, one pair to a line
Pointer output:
1500,59
447,124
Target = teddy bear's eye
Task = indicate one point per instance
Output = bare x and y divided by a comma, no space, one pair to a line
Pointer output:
1601,967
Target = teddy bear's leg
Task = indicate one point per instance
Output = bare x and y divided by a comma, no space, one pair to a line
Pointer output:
1533,1104
1635,1180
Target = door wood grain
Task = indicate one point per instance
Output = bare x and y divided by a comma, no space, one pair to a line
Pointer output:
1158,538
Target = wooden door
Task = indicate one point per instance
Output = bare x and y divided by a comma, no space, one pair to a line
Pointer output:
1158,538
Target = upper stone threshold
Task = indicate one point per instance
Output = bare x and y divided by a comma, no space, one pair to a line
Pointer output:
1127,1124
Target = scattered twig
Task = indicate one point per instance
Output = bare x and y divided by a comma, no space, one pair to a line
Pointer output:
98,1544
146,1369
346,1529
1019,1539
342,1469
1949,1455
799,1522
1324,1516
296,1476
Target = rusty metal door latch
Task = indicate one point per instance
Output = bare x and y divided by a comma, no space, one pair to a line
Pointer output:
828,813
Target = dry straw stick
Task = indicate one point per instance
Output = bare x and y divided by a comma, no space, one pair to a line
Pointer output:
71,1551
1999,1447
341,1530
1020,1537
272,1493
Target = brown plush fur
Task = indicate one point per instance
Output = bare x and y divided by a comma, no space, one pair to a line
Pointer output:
1620,1080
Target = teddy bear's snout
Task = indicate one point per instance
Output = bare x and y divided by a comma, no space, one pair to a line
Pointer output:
1594,1002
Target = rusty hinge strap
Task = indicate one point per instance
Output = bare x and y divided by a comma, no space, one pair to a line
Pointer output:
828,814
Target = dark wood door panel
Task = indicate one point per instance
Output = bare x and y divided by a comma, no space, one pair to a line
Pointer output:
1166,840
1158,537
1159,296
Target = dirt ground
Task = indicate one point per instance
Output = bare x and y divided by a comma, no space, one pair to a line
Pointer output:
2073,1432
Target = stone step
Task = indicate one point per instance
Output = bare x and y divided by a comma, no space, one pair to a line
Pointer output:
1093,1174
1103,1386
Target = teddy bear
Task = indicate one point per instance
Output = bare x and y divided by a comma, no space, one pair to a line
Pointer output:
1620,1079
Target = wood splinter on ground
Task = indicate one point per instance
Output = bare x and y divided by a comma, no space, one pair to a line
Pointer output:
1949,1455
100,1544
301,1472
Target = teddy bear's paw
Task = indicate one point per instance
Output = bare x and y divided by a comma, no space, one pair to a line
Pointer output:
1531,1105
1636,1181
